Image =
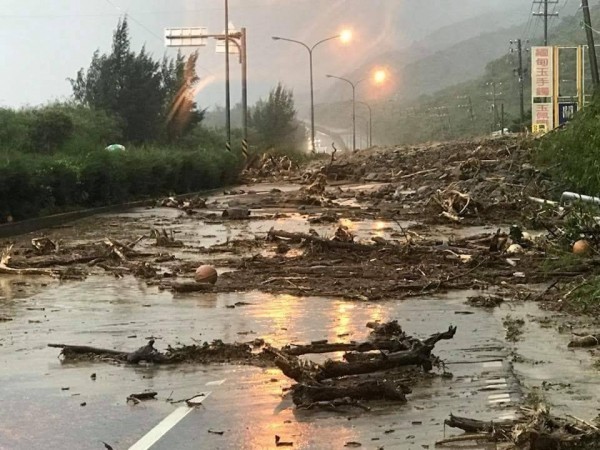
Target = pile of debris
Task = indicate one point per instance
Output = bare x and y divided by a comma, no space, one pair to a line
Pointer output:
456,180
267,167
186,204
537,429
382,368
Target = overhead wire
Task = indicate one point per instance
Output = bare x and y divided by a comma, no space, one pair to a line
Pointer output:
152,33
528,24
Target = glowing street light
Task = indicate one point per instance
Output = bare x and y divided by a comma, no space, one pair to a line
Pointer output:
345,37
378,77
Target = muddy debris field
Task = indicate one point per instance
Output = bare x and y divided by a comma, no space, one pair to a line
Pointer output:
462,227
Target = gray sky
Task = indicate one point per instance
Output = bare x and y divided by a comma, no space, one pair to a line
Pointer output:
44,42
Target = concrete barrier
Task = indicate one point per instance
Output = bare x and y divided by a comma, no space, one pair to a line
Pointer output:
40,223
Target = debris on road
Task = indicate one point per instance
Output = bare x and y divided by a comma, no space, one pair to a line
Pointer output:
536,429
143,396
382,368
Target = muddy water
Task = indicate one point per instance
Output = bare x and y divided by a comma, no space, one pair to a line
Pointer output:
42,398
123,313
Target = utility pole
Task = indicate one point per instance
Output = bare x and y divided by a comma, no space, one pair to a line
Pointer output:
244,58
468,106
227,93
502,119
545,15
495,94
590,38
520,72
196,37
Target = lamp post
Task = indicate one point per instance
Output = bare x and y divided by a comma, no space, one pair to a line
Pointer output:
379,76
354,85
370,140
345,36
227,92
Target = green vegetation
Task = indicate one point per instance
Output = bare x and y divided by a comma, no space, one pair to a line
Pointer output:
275,126
152,99
53,158
37,184
571,154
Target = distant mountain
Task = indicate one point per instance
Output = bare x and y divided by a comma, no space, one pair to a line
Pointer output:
463,47
464,108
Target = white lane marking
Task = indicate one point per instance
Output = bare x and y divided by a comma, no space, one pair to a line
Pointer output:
496,380
216,383
156,433
500,400
487,365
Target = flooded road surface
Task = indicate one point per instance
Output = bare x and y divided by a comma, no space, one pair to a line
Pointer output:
48,404
42,398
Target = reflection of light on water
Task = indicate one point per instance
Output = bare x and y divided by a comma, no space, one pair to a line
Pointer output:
342,320
378,228
352,226
280,314
376,313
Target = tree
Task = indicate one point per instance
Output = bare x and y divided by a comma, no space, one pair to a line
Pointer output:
183,114
139,90
275,121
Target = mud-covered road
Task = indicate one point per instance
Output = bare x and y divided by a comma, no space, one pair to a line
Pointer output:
413,238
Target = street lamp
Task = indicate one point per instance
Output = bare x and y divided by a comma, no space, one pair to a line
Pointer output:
354,85
345,36
379,77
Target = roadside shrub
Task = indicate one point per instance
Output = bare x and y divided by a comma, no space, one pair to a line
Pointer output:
572,154
50,129
31,186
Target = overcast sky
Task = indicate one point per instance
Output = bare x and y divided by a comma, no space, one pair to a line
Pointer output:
43,42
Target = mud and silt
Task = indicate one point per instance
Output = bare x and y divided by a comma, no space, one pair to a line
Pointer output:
379,225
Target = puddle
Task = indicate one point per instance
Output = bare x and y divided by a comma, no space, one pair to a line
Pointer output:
566,377
109,312
198,233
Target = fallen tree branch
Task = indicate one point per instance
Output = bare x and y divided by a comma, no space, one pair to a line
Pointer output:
585,341
309,238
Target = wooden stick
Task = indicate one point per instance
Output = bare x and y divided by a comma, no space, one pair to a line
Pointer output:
469,437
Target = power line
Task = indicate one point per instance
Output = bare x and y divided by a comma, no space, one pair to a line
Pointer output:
148,30
545,14
133,19
528,25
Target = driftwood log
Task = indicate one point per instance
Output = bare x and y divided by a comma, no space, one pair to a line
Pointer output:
590,340
307,394
4,268
388,337
146,353
418,355
478,426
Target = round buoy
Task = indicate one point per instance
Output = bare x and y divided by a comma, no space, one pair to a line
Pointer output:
514,249
206,274
581,247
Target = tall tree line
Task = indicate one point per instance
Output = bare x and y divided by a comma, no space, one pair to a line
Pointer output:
153,99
